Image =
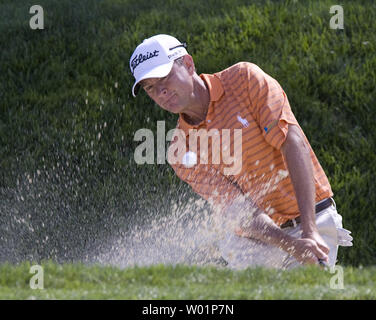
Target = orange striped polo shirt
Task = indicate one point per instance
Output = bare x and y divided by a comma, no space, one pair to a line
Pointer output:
243,99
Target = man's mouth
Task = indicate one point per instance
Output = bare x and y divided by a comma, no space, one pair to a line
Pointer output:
167,101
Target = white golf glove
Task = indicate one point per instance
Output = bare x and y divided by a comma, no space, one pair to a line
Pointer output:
344,238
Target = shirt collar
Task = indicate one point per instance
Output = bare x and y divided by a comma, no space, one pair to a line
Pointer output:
216,91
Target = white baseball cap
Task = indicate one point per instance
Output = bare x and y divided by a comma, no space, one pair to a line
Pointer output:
154,58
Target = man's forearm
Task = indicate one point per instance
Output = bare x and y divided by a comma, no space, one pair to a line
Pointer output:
300,167
263,228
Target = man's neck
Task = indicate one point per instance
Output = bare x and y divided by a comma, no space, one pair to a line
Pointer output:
194,118
199,109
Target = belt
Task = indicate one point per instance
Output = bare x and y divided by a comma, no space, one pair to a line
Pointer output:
319,207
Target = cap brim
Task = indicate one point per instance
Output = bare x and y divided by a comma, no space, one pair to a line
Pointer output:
158,72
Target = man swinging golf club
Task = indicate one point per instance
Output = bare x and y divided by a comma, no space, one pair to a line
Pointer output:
276,201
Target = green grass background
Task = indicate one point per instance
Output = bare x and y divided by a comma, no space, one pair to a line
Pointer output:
68,180
77,281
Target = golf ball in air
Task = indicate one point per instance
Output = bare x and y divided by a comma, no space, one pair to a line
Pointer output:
189,159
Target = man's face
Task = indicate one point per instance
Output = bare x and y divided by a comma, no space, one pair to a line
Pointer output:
173,92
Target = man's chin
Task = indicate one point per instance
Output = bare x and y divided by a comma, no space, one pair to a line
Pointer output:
174,109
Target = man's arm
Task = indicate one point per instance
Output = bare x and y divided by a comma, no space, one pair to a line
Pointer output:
261,227
311,246
298,160
271,110
300,167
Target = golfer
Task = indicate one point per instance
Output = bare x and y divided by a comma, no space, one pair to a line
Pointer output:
274,197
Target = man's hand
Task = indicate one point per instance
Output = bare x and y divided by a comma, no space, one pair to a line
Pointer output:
309,249
315,236
319,240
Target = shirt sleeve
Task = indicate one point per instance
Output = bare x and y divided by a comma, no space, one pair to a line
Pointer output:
270,106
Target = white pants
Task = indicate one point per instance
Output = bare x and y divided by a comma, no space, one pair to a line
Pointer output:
242,252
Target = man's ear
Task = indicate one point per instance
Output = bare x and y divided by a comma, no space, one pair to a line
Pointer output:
189,64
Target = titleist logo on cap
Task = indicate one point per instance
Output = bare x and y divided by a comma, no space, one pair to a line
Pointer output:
142,57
